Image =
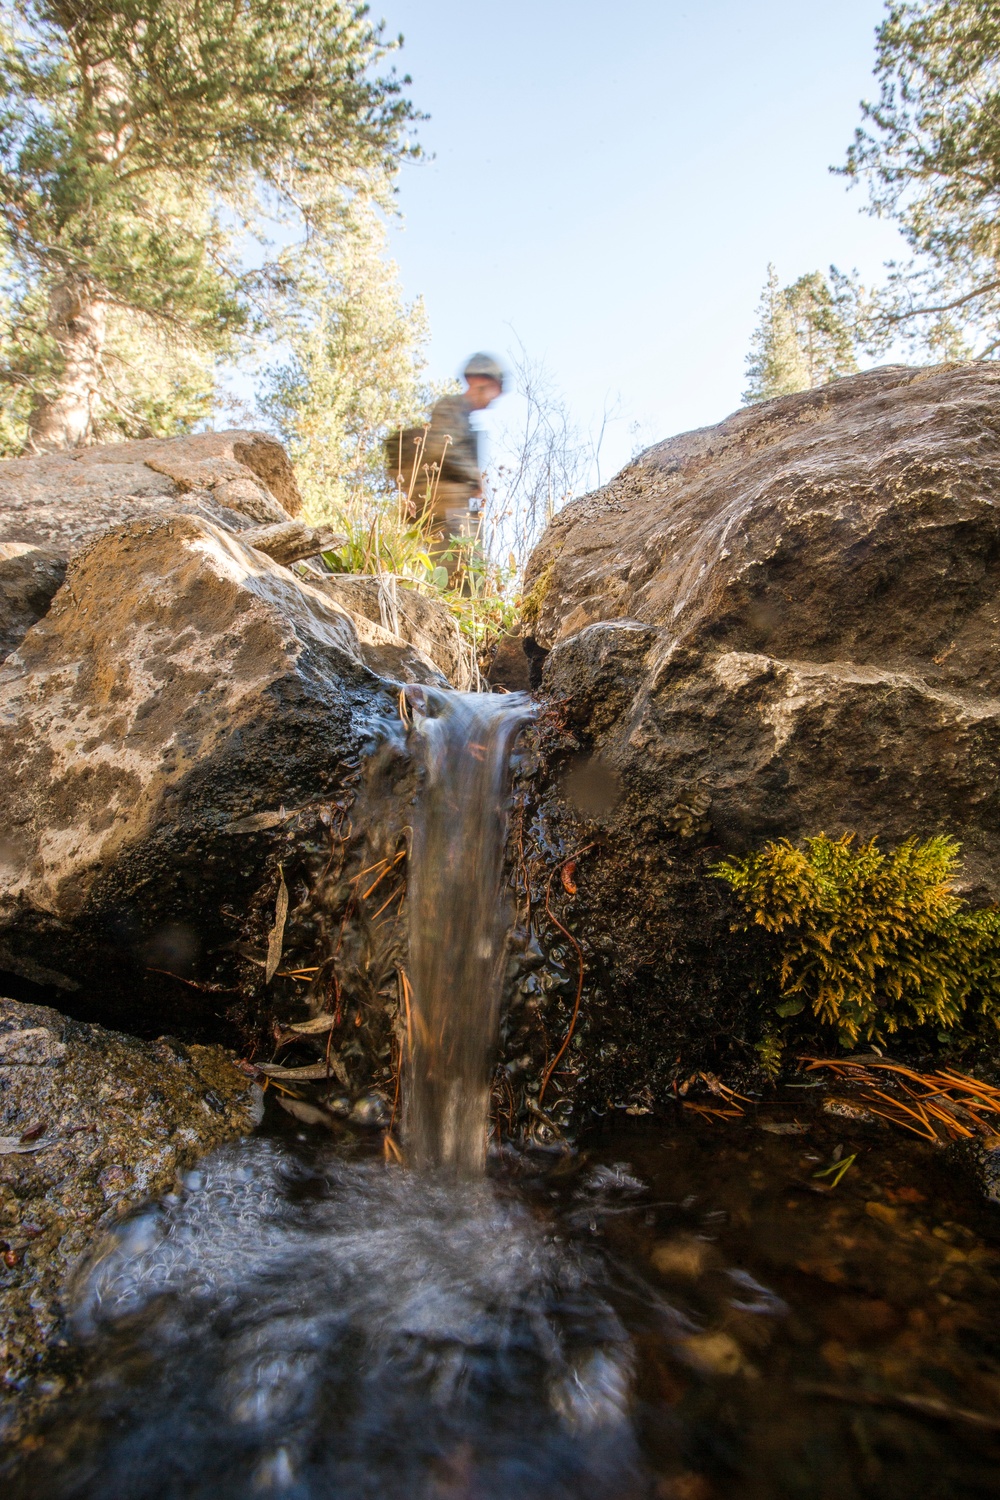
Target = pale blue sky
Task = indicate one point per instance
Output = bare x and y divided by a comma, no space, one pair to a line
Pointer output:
612,179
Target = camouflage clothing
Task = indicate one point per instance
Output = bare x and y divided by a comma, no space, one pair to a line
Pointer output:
460,479
460,465
440,465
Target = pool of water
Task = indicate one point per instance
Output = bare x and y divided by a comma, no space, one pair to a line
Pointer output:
678,1312
847,1339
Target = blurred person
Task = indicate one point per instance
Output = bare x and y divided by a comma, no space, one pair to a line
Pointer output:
448,482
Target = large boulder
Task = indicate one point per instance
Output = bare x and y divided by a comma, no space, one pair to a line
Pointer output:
853,522
60,500
53,505
92,1123
182,699
786,624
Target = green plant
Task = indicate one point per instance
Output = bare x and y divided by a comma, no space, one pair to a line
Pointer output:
770,1053
929,150
806,334
142,146
870,942
383,536
534,598
353,368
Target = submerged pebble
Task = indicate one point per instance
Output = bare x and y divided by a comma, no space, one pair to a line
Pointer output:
683,1259
713,1353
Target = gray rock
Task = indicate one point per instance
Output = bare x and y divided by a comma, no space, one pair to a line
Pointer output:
425,623
182,698
511,667
91,1124
60,500
29,577
785,625
856,522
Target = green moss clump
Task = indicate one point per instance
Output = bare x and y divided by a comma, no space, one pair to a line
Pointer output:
531,604
870,942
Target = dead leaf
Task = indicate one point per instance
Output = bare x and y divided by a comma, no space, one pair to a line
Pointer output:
313,1027
33,1132
12,1145
309,1114
309,1071
275,941
259,822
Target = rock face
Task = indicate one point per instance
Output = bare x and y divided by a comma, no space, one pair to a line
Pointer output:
91,1123
29,577
181,699
423,623
171,698
783,625
59,500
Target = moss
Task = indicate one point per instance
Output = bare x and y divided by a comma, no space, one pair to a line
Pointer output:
531,604
871,943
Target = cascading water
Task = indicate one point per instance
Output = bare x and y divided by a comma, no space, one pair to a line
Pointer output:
300,1324
457,922
307,1322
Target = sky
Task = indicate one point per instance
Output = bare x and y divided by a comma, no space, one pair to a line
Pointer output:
608,182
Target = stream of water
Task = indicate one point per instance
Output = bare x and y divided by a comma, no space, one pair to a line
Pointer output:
457,922
668,1314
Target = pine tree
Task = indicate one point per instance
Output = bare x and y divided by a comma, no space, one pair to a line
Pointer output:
930,153
826,324
807,334
776,365
139,140
355,368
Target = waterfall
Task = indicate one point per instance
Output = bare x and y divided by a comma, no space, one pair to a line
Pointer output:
303,1323
456,921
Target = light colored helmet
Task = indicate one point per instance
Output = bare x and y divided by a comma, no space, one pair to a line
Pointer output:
486,365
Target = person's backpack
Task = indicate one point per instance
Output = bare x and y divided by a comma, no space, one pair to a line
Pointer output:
413,455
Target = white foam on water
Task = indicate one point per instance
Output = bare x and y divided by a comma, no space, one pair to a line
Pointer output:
349,1330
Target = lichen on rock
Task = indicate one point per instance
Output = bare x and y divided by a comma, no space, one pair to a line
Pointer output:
91,1123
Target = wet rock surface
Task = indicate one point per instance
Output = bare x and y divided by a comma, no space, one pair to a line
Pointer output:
424,623
182,698
91,1124
855,522
785,625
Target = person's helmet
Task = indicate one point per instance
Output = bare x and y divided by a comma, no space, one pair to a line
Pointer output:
487,366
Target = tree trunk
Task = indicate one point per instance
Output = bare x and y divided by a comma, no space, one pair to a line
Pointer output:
62,417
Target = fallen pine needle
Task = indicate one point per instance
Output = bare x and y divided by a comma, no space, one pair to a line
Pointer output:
926,1406
950,1104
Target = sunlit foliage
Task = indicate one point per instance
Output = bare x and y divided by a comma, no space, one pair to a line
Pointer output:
805,335
141,144
869,942
354,370
929,151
